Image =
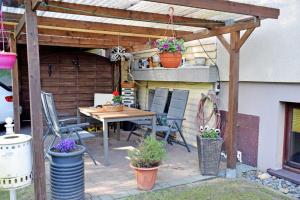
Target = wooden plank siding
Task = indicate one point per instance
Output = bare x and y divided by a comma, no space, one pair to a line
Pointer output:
189,127
72,86
193,50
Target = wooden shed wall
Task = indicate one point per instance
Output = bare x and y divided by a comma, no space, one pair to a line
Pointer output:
72,75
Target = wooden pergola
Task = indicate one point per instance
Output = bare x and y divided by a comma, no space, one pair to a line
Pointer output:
34,30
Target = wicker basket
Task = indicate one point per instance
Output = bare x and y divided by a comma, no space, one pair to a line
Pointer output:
113,108
128,84
209,154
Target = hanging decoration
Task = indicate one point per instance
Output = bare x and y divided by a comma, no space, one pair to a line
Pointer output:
7,59
170,49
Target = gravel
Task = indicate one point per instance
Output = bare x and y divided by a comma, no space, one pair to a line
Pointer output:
284,186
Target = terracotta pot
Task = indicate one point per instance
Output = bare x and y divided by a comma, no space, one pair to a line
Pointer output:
145,177
170,60
7,60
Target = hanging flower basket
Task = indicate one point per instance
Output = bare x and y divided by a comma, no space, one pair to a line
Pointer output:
170,60
7,60
170,52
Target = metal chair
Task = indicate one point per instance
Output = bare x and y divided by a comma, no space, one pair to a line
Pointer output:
58,127
158,106
173,121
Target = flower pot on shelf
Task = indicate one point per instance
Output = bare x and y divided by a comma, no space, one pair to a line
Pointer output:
7,60
145,177
170,60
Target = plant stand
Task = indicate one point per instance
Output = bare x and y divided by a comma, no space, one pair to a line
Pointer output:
67,175
209,154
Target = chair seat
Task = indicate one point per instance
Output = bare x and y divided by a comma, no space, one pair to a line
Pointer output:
83,135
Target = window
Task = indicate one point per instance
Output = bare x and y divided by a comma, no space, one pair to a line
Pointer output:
292,144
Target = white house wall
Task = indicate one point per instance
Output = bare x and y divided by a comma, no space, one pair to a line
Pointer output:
269,75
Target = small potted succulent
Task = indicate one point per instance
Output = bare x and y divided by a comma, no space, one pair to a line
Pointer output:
67,170
170,50
145,161
209,144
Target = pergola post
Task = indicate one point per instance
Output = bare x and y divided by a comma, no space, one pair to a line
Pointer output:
35,101
231,145
16,89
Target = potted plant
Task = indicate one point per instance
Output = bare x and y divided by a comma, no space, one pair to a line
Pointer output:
170,51
145,161
67,170
209,144
116,103
117,98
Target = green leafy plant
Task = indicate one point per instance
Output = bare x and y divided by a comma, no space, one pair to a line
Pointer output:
170,45
149,153
117,98
210,133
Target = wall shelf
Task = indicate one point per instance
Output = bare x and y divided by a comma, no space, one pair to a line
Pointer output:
199,74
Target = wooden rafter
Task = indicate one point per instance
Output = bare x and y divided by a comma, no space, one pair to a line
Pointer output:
78,42
244,37
222,30
35,4
20,26
226,6
72,8
224,42
95,27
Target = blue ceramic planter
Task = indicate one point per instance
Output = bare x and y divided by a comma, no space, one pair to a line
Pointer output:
67,175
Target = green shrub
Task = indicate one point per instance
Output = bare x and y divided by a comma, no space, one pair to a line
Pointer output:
210,133
149,153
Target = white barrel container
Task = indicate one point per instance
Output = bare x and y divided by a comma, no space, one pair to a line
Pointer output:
15,161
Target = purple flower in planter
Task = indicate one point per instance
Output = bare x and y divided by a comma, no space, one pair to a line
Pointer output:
65,146
166,46
178,47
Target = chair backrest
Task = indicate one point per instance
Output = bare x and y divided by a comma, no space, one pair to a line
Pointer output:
159,100
50,104
178,105
45,108
101,98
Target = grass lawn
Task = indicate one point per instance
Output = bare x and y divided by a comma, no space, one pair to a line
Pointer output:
22,194
214,190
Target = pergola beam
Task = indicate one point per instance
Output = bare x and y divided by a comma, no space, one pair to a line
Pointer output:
96,27
78,42
35,102
15,85
222,30
226,6
97,11
19,26
35,4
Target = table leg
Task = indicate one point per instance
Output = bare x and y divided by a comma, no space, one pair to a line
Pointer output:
153,126
105,142
118,131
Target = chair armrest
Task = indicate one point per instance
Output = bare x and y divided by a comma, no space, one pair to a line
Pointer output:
73,127
68,119
174,118
63,114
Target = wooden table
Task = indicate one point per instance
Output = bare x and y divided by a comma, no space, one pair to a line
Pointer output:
128,114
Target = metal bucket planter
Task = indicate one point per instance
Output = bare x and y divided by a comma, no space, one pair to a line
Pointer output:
209,154
67,174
